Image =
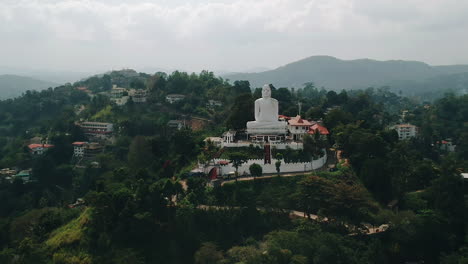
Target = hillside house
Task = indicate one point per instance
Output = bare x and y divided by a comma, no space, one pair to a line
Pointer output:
176,124
298,127
173,98
138,96
406,131
39,149
86,150
323,131
96,128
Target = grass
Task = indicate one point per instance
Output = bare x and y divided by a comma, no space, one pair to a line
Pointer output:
104,114
71,233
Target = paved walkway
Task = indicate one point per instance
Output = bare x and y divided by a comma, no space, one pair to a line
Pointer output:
370,230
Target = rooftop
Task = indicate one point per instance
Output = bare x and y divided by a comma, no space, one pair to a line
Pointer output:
298,121
33,146
321,129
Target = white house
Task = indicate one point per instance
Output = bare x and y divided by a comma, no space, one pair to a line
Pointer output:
406,131
172,98
298,127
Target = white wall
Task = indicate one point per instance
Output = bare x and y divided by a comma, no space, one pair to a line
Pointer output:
271,168
293,145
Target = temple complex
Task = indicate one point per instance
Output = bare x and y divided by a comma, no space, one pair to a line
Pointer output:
269,127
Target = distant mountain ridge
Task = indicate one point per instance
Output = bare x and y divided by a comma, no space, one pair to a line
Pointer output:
337,74
13,85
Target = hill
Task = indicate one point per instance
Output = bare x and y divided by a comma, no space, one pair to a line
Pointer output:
336,74
14,85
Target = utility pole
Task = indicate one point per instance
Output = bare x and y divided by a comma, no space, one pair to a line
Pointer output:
300,107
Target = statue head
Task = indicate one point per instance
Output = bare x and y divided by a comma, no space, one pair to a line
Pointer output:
266,91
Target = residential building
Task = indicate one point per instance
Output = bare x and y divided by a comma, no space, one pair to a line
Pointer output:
323,131
446,145
85,90
406,131
7,174
117,92
39,149
214,103
24,175
86,150
96,128
464,176
172,98
176,124
138,96
298,127
78,148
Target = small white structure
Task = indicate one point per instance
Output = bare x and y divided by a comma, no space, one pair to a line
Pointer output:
217,141
406,131
464,176
214,103
229,136
176,124
172,98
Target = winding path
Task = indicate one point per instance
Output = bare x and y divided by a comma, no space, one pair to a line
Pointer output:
370,230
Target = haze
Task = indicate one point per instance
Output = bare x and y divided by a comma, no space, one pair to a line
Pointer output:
87,36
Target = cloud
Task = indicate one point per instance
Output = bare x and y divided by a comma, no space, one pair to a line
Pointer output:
224,34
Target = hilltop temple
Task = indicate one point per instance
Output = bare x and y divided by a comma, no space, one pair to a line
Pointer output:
270,127
269,130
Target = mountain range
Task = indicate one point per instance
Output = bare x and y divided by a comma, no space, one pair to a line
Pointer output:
13,85
335,74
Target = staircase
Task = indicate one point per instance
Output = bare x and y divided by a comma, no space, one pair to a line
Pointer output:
267,153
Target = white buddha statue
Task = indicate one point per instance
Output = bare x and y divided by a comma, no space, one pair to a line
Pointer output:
266,115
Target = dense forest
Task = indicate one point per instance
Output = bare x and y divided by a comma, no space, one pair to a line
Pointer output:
143,206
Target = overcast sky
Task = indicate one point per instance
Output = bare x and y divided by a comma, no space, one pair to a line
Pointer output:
234,35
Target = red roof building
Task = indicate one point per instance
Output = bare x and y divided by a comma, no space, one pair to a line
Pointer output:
298,121
298,127
321,129
39,149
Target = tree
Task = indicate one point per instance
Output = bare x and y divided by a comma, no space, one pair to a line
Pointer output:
140,154
208,254
314,193
278,166
237,159
241,112
256,170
